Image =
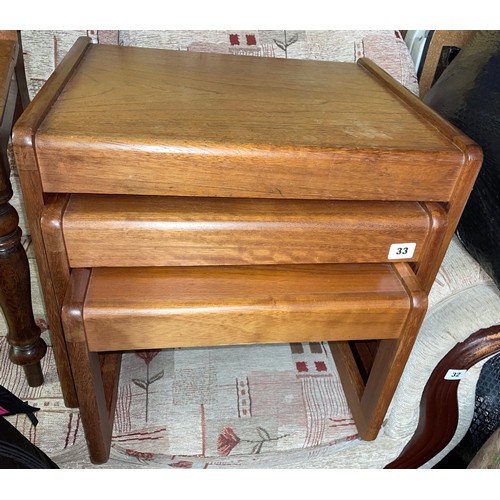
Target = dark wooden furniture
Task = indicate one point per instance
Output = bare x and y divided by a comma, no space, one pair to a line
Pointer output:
26,346
186,199
439,404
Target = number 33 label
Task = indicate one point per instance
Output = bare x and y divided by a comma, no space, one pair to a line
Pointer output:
401,250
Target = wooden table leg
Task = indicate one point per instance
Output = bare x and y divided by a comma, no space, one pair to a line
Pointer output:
27,348
439,406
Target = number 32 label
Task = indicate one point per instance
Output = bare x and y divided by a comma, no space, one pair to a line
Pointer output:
455,374
401,250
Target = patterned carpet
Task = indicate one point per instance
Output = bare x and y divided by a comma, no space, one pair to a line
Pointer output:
197,408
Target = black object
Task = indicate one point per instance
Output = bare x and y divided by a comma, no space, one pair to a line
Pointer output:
12,405
16,451
486,418
485,421
468,95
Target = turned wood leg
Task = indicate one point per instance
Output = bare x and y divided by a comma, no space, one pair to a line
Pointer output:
438,418
26,346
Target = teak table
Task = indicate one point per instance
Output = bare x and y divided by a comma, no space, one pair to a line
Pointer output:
194,199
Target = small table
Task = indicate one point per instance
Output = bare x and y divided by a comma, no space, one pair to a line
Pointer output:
26,346
235,200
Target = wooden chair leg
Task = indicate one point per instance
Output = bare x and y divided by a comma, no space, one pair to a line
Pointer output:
27,348
96,399
22,83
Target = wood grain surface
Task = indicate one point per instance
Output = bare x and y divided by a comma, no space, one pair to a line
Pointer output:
96,380
128,231
23,139
26,348
201,306
150,121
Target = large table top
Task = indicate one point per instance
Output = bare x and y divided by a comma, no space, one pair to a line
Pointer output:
162,122
173,99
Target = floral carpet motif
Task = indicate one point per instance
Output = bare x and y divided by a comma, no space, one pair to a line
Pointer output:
198,407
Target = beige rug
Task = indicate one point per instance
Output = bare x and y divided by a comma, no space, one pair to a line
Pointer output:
198,408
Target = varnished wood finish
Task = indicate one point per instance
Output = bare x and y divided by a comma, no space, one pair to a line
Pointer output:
51,228
102,230
364,352
258,136
438,417
425,267
369,402
96,401
217,125
151,307
392,356
471,158
26,347
430,262
141,308
34,198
